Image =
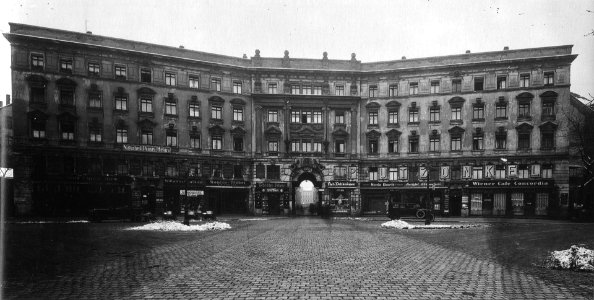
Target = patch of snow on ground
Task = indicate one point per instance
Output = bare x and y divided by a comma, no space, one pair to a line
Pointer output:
254,219
399,224
575,258
78,221
176,226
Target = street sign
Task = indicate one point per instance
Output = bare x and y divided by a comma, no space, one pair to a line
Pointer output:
6,173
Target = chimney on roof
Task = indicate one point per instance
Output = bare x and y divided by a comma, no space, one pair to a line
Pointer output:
404,57
89,32
181,46
505,48
467,51
244,56
7,99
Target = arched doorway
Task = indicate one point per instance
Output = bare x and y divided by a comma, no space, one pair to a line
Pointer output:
306,194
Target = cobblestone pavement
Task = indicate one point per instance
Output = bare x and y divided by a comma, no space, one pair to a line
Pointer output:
298,258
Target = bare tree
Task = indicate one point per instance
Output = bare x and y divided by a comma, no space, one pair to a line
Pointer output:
580,119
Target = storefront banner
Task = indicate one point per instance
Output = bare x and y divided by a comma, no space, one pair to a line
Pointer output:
341,184
444,173
423,172
489,171
239,183
466,172
511,183
432,185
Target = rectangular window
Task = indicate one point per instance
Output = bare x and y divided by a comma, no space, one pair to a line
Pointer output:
170,79
238,114
120,71
272,88
413,88
373,173
171,139
549,78
93,69
500,141
146,137
479,83
66,66
478,112
272,146
523,141
339,147
306,90
373,91
317,117
547,141
373,118
523,172
272,172
295,146
67,96
37,62
146,105
306,117
413,145
402,173
393,174
393,146
547,171
273,116
216,112
524,110
95,100
145,75
393,91
170,107
215,84
456,86
413,116
340,90
434,113
194,110
435,87
195,141
340,172
295,116
373,147
457,113
194,81
238,144
434,143
339,117
548,109
306,145
456,143
393,117
67,130
316,147
317,90
500,172
121,135
501,82
217,142
295,89
38,94
237,87
477,143
501,110
524,80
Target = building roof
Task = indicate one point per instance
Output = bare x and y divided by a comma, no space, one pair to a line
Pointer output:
286,63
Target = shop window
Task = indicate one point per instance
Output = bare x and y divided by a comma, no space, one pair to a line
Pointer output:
122,168
373,174
393,90
476,204
194,81
148,168
93,69
172,170
456,86
435,87
479,83
273,172
517,200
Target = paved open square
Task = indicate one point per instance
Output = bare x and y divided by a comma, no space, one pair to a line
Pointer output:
291,258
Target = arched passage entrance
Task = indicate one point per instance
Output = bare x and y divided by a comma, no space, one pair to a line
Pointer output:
306,194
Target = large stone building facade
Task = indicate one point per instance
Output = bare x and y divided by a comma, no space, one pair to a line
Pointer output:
106,122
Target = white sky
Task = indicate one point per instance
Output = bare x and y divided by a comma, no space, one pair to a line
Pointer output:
374,30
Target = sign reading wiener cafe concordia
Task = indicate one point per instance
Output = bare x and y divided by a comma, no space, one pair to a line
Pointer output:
512,183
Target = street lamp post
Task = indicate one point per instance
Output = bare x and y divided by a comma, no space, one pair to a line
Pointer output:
186,217
429,212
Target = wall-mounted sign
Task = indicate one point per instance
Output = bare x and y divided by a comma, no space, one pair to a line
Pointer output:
191,193
146,148
276,185
512,171
238,183
466,172
423,172
512,183
490,171
341,184
444,172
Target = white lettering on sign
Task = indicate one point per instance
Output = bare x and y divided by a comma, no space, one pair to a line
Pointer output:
512,171
422,172
466,172
444,172
490,171
6,173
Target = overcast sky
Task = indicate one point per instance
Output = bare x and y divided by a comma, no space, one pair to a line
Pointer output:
374,30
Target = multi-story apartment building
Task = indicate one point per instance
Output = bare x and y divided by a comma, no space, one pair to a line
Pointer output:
100,119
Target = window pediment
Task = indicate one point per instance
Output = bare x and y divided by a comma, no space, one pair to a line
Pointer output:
548,126
372,105
146,124
272,131
36,80
216,99
393,104
238,131
145,91
216,130
456,101
340,133
525,97
37,115
121,124
374,134
456,130
67,82
237,101
66,116
524,127
393,133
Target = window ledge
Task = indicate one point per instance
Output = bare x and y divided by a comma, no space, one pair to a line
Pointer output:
456,122
524,118
272,153
96,144
458,152
194,118
501,119
413,123
394,153
548,118
373,154
237,123
95,109
478,120
372,126
196,150
120,111
171,116
548,149
393,125
434,122
216,121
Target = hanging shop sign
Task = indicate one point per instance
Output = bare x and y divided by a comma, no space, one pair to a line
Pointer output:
341,184
512,183
146,148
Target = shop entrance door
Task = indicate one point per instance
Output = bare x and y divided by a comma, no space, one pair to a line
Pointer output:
274,201
455,204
